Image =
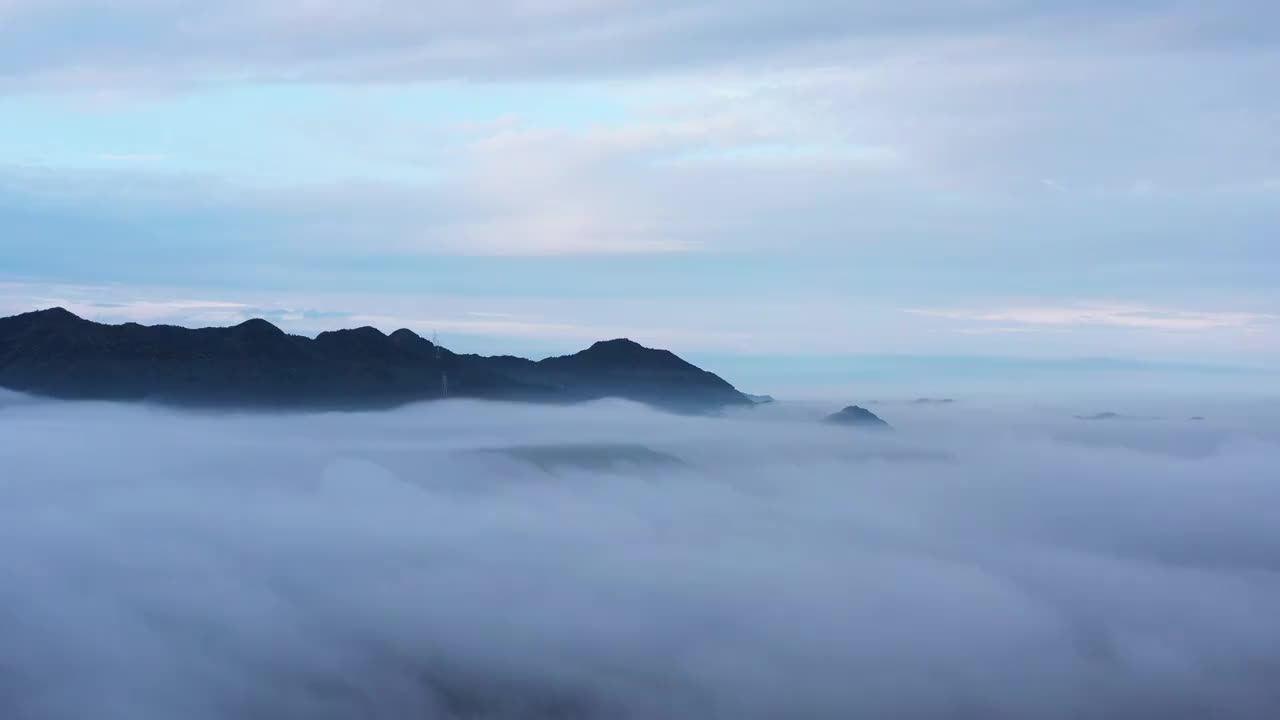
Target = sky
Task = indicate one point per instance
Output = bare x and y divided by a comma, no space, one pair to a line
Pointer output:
768,185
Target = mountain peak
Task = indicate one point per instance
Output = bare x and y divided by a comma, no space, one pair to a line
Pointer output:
366,332
54,314
858,416
624,368
57,311
617,344
624,353
405,334
410,340
54,318
258,326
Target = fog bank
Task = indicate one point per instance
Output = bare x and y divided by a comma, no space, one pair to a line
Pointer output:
471,560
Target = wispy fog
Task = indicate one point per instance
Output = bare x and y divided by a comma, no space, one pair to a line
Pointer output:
459,560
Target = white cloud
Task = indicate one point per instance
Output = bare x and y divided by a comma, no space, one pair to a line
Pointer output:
736,322
1103,315
942,136
405,41
837,160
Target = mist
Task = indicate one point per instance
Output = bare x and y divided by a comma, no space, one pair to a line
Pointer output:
484,560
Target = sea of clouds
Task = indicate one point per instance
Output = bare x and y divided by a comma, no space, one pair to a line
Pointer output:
471,560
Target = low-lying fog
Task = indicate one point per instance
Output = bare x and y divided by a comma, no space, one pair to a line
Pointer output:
466,560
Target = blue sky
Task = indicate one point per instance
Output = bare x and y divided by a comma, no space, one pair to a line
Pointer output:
821,179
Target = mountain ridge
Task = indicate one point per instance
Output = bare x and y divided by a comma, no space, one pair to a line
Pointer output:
54,352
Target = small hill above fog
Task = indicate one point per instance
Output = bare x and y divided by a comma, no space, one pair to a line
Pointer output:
858,417
256,364
1114,416
587,456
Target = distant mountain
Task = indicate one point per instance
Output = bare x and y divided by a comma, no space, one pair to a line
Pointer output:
619,368
1114,416
1100,416
255,364
587,456
760,399
859,417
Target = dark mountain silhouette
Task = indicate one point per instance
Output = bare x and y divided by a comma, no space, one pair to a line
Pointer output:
588,456
859,417
620,368
255,364
1100,416
1114,416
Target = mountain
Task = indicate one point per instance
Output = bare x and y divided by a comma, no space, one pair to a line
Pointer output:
255,364
859,417
621,368
1099,416
1114,416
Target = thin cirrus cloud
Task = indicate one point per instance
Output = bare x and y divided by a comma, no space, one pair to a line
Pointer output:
714,329
1124,316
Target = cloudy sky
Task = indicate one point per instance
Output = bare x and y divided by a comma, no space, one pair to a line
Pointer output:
1045,179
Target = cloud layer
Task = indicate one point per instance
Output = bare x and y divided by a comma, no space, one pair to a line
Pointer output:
981,562
394,40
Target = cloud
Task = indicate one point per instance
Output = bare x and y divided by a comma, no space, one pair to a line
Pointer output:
548,324
544,319
832,160
1122,316
120,42
120,305
984,561
938,145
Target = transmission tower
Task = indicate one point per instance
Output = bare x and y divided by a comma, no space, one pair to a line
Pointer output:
444,376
